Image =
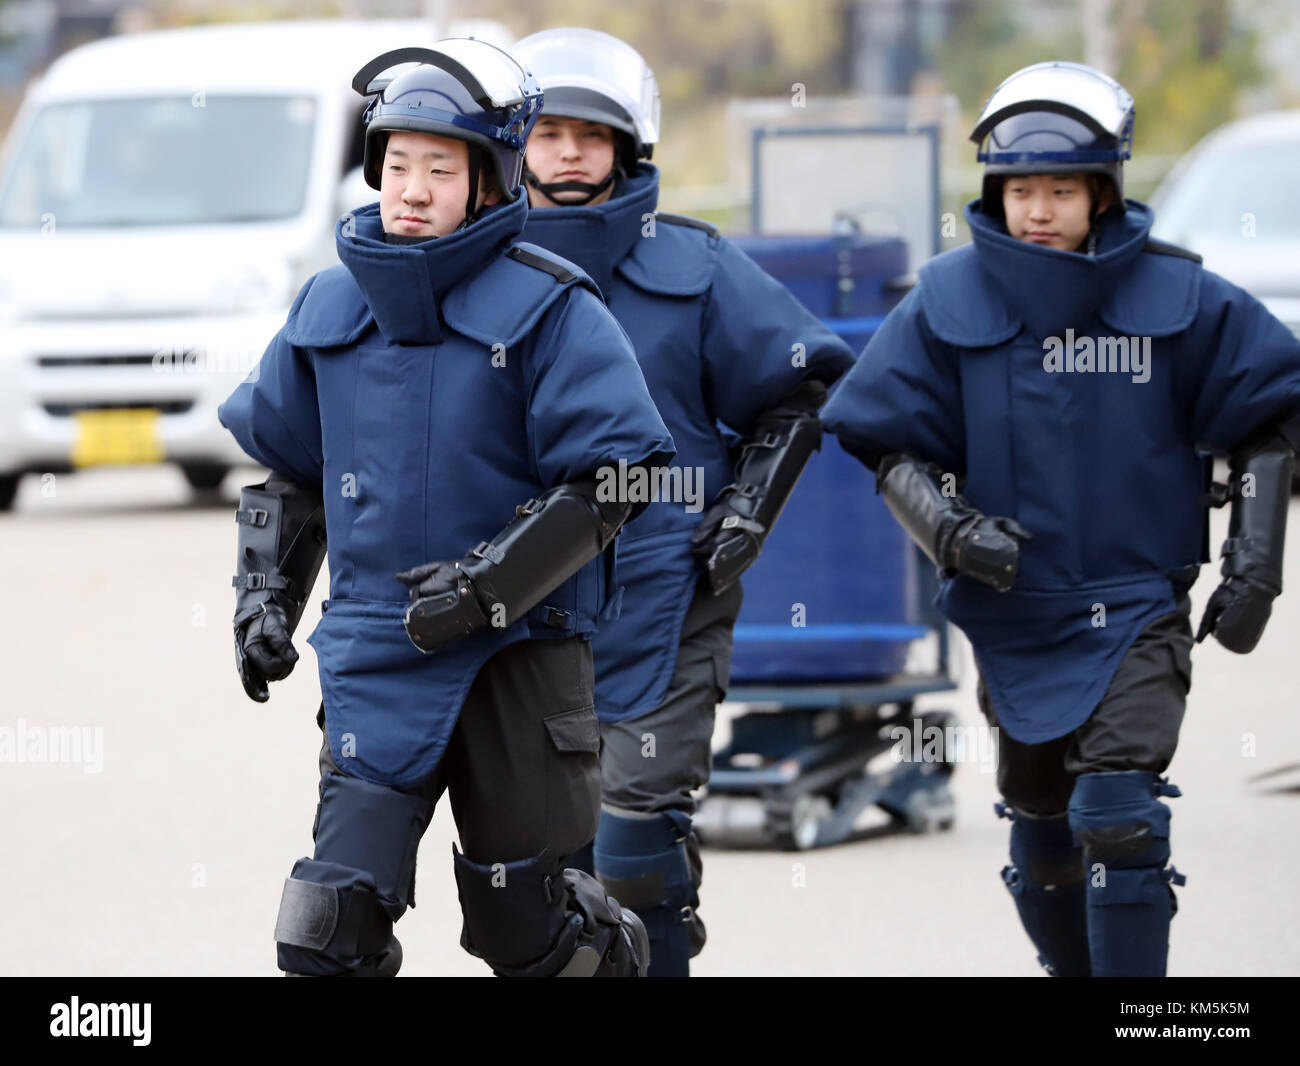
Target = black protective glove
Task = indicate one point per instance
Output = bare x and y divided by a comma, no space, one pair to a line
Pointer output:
263,650
1260,491
550,539
955,536
1236,614
728,538
447,582
985,548
281,548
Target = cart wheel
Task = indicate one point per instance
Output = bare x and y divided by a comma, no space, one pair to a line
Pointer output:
930,810
795,823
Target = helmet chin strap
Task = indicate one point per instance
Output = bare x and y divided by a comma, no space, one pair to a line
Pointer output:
589,191
471,203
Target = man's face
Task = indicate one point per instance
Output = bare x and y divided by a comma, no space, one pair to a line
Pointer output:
1049,209
424,185
569,149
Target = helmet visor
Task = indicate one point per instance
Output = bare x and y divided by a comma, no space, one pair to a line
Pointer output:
503,81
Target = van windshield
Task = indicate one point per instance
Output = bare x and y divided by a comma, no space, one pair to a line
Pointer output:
161,161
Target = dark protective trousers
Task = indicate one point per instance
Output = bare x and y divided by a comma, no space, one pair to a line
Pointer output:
1089,837
646,854
524,780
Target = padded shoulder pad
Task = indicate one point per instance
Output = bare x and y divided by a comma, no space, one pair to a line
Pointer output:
329,311
556,269
686,220
677,259
507,298
1165,248
1158,296
961,304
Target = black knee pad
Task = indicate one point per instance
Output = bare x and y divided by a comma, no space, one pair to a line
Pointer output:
331,921
530,919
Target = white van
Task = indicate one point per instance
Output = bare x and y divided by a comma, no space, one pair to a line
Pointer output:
163,197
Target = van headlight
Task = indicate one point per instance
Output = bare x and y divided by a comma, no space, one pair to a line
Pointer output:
263,287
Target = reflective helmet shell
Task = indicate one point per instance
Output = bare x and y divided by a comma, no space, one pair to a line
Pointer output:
591,75
465,89
1054,118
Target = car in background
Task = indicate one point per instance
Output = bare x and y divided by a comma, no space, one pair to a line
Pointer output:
163,198
1233,200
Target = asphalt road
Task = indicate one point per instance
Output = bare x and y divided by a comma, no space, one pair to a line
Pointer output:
163,849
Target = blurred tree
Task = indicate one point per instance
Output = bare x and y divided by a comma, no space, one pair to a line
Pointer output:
705,52
1184,61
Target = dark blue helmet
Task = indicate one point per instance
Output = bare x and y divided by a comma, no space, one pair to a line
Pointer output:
1053,118
464,88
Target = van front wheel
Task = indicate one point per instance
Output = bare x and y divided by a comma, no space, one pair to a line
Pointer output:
8,490
204,477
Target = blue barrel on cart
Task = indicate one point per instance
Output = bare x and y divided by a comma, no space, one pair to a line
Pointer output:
834,595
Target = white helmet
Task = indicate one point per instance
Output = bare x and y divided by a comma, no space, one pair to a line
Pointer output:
590,75
463,88
1055,117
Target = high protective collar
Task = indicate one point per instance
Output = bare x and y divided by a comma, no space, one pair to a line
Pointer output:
1052,290
598,236
404,284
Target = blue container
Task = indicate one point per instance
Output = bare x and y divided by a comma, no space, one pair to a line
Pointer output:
833,596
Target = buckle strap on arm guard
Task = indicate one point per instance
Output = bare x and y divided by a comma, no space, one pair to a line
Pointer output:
550,539
770,464
281,547
930,515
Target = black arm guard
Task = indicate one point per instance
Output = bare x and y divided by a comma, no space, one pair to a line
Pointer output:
550,540
281,547
731,535
1260,490
947,528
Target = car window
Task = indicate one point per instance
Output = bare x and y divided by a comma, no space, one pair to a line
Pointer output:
1234,190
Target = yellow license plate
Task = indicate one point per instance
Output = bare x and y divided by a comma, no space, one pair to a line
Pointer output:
116,437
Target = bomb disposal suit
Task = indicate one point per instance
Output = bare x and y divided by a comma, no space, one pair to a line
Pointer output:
719,341
444,398
1034,417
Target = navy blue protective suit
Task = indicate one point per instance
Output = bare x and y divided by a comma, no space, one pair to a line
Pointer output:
719,341
429,389
1102,469
1073,392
